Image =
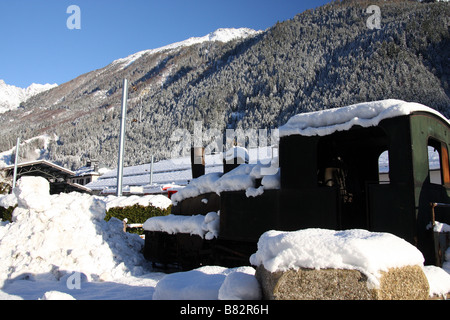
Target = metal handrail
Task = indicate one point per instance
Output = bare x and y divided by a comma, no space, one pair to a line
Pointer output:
437,205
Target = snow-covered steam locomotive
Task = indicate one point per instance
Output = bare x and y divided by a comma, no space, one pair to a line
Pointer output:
330,175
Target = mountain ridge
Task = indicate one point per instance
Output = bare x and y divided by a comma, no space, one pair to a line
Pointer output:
221,34
11,96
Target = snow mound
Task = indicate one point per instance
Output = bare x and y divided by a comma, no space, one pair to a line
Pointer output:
240,284
365,114
438,279
209,283
52,236
367,252
56,295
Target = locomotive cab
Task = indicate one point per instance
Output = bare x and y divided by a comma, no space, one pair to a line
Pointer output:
348,161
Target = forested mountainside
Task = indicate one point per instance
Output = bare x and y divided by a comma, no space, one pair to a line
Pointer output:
322,58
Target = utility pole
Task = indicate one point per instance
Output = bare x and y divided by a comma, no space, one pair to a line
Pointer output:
16,161
151,170
122,137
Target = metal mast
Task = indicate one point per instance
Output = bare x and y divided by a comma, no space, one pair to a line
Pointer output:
16,161
122,137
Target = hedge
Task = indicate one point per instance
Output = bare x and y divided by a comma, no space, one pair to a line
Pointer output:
136,214
6,213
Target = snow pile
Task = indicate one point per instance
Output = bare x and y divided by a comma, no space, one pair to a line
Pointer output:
209,283
206,226
8,200
438,279
56,295
241,178
159,201
240,284
361,250
53,236
365,114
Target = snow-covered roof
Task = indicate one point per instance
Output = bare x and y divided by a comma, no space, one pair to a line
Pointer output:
367,114
42,162
176,172
85,171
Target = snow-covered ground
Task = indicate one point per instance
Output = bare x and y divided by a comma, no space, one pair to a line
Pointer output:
60,247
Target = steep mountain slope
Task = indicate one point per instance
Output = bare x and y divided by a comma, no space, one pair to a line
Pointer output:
321,58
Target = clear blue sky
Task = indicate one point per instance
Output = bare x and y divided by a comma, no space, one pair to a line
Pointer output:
36,45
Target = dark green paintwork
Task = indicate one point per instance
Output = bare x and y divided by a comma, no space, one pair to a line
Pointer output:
401,207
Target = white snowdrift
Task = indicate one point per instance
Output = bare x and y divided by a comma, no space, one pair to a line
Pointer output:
159,201
52,236
365,114
209,283
438,279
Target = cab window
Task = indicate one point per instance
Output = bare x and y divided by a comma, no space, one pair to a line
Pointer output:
438,162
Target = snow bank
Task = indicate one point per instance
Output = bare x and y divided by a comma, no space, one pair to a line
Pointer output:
209,283
206,226
240,284
56,295
8,200
438,279
33,193
365,251
53,236
365,114
159,201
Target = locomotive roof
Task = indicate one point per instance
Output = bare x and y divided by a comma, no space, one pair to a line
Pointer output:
367,114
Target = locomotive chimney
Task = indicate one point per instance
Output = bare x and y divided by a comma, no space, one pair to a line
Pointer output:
197,161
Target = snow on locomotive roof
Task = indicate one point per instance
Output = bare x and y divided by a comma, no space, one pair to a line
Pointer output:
367,114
